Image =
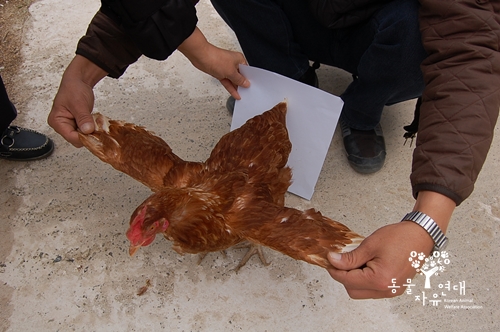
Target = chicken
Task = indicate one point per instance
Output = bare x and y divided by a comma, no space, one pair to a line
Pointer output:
236,195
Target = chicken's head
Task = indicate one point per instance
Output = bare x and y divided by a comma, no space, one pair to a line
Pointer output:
144,225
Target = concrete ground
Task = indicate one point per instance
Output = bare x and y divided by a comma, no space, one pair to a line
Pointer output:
64,263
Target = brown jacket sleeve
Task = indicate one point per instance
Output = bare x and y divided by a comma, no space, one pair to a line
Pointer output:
123,30
462,96
106,45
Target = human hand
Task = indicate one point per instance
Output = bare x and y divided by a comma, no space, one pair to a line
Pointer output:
217,62
223,65
367,271
74,101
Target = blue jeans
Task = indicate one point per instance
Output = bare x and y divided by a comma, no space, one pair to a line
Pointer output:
384,52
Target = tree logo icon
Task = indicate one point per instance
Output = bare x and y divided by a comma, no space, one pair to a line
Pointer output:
429,266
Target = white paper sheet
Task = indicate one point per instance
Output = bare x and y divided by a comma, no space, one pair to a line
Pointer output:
311,120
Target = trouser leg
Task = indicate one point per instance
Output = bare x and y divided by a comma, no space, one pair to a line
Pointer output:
389,69
265,35
385,51
7,111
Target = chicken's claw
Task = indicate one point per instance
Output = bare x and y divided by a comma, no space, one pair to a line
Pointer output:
253,249
202,256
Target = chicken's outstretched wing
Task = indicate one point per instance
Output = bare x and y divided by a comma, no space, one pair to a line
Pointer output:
132,150
305,235
261,148
261,142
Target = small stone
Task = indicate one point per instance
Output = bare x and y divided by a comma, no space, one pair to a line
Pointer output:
57,259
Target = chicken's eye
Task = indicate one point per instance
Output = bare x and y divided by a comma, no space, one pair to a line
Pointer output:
154,226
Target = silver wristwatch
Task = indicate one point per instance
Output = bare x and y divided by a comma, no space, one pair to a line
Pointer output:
427,223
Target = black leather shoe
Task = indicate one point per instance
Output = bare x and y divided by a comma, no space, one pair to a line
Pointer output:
23,144
309,78
365,148
230,104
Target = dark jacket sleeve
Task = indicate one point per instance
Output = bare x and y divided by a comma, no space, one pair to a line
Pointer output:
123,30
461,99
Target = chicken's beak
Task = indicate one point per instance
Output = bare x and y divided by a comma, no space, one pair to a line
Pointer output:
133,249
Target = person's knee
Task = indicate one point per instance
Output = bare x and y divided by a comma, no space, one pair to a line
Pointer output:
401,17
399,26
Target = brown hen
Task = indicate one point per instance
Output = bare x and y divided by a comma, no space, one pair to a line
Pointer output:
237,194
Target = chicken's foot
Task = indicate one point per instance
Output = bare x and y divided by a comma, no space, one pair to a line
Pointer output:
202,256
253,249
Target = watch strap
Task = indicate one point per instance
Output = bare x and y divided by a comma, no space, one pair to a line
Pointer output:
427,223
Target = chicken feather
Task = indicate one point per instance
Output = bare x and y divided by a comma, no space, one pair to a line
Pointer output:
126,146
303,235
236,195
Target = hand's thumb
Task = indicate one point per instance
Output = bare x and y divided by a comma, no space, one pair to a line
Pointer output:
348,260
85,123
240,80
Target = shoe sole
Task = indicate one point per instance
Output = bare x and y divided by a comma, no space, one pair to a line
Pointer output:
45,155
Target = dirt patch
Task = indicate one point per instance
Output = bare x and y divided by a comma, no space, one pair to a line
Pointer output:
14,15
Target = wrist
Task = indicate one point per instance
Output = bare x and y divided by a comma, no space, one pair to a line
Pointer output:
429,225
437,206
85,70
430,217
422,241
194,46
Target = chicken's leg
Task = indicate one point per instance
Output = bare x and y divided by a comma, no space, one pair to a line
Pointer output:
253,249
202,256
